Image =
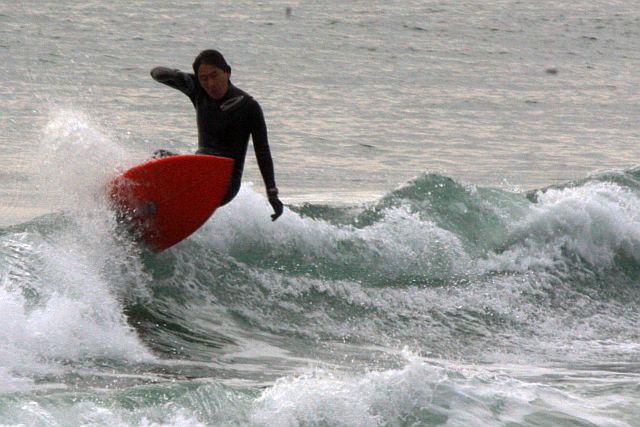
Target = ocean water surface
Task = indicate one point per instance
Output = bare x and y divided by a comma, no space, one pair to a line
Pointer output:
460,246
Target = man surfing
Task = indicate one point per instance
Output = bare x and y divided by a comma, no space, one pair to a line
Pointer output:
226,117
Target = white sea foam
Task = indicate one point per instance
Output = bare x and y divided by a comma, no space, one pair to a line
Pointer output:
64,279
400,242
99,414
66,312
595,221
425,392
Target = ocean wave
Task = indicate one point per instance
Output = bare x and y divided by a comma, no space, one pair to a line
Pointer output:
423,392
463,271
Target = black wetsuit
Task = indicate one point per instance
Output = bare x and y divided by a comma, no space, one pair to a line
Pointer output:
224,125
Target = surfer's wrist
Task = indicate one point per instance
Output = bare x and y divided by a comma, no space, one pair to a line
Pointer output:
273,191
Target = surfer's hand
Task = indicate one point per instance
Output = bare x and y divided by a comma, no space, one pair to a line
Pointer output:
158,154
276,204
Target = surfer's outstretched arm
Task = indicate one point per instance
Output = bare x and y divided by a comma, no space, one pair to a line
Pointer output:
176,79
263,155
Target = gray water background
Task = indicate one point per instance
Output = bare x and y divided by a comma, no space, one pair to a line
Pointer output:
359,96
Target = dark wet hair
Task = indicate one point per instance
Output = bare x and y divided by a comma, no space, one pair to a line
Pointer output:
211,57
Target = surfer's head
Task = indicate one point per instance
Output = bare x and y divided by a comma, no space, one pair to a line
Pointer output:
211,57
212,72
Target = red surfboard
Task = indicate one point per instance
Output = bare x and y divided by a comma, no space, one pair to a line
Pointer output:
167,199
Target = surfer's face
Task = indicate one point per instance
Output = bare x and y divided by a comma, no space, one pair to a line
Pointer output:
213,80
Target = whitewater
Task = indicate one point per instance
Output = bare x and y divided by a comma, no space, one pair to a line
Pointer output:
460,244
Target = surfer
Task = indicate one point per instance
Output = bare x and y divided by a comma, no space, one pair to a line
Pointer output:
226,117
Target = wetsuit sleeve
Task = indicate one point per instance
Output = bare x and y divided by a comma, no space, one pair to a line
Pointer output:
176,79
261,146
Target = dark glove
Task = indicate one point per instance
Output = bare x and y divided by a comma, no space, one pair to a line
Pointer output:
276,204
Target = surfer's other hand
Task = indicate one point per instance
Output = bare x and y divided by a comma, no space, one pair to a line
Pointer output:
275,203
158,154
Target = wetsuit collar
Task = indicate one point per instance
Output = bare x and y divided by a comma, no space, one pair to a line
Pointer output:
231,99
227,95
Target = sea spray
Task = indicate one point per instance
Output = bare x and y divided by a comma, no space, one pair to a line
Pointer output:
426,392
66,275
